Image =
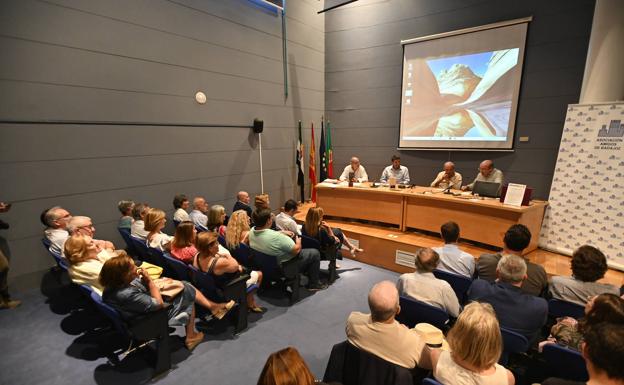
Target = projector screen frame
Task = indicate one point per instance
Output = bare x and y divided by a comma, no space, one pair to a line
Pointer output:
485,27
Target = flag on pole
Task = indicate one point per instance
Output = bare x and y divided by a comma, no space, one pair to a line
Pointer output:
312,168
300,172
330,154
323,154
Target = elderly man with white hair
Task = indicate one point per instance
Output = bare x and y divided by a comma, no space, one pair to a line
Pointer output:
81,225
487,173
200,209
56,220
517,311
448,178
355,168
381,335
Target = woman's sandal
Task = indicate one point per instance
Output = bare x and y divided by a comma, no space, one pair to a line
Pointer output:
191,343
219,314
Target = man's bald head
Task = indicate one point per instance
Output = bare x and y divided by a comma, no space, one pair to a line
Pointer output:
486,167
449,168
427,260
199,203
383,301
243,196
355,163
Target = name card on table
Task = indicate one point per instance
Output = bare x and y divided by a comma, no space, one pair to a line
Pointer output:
515,194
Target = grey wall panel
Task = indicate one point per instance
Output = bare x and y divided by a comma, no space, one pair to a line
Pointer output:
363,63
143,61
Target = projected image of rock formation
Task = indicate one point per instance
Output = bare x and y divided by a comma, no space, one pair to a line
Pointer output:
462,96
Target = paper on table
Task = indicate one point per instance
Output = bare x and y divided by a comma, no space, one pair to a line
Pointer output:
515,194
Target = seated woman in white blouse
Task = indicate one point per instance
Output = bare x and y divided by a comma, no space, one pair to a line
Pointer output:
154,223
476,344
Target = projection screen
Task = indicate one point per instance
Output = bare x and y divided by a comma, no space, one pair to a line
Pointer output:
460,89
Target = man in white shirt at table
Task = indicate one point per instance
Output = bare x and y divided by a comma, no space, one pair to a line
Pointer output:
359,173
448,178
400,173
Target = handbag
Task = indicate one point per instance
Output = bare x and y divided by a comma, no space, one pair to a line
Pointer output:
169,288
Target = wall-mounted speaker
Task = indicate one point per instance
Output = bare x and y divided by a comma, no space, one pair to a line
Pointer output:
258,126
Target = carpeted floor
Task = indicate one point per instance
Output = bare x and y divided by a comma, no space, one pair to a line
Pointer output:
55,337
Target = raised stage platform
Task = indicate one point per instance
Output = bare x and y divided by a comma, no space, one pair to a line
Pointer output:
385,245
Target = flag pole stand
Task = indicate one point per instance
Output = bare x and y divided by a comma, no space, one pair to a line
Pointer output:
261,170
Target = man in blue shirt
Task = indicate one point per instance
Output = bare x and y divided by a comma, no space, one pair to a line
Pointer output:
517,311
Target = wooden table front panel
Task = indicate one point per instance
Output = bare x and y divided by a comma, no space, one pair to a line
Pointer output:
361,204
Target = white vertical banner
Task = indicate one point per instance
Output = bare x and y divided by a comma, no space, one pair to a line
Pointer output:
586,202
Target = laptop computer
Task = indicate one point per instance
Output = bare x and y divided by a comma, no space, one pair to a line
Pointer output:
486,189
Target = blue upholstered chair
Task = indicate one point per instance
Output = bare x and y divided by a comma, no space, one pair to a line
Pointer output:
414,312
459,283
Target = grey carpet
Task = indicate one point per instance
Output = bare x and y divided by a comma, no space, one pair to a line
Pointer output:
56,338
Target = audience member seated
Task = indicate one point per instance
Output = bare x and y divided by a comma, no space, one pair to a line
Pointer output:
56,220
381,335
216,218
242,203
138,226
265,240
84,226
180,204
603,352
154,223
133,292
452,259
286,367
516,239
86,261
588,266
476,344
210,260
200,210
516,310
423,286
237,230
183,243
125,208
285,220
315,227
568,331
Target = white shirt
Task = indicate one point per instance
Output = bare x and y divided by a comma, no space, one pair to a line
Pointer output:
453,260
456,181
360,174
425,287
449,372
284,221
199,218
401,175
159,241
138,229
180,215
57,238
496,176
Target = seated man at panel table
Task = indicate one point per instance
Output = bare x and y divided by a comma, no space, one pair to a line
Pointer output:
381,335
487,173
199,214
517,311
423,286
448,178
355,168
400,173
517,238
56,220
452,259
588,266
80,225
265,240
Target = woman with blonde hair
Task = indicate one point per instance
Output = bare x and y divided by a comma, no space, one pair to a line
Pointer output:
85,261
154,223
286,367
216,218
237,230
315,227
210,260
133,292
476,344
183,243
